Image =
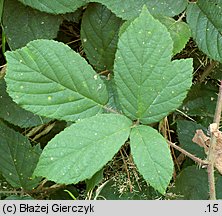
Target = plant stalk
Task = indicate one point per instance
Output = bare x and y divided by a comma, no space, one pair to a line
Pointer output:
191,156
213,143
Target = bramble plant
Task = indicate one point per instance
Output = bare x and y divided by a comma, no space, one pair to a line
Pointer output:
129,72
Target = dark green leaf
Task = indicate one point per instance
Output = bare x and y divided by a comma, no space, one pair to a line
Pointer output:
23,24
94,181
14,114
186,131
205,21
55,6
18,159
218,179
201,101
99,35
191,184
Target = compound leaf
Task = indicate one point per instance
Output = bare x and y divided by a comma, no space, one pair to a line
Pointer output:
55,6
204,19
18,158
82,149
148,83
49,79
99,34
152,156
38,25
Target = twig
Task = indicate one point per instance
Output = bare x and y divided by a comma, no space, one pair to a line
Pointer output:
213,143
208,70
127,171
185,115
194,158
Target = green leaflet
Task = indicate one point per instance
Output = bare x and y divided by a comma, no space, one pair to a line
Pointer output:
148,83
18,159
179,32
49,79
11,112
205,21
37,24
152,156
99,35
55,6
82,149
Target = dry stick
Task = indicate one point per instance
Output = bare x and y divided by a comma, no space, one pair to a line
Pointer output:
194,158
213,143
127,171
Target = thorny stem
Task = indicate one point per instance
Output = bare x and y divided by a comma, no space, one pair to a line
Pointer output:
208,70
194,158
213,143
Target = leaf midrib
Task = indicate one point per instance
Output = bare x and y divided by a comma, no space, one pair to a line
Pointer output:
51,79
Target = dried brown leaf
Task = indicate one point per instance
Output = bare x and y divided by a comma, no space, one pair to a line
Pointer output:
204,141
